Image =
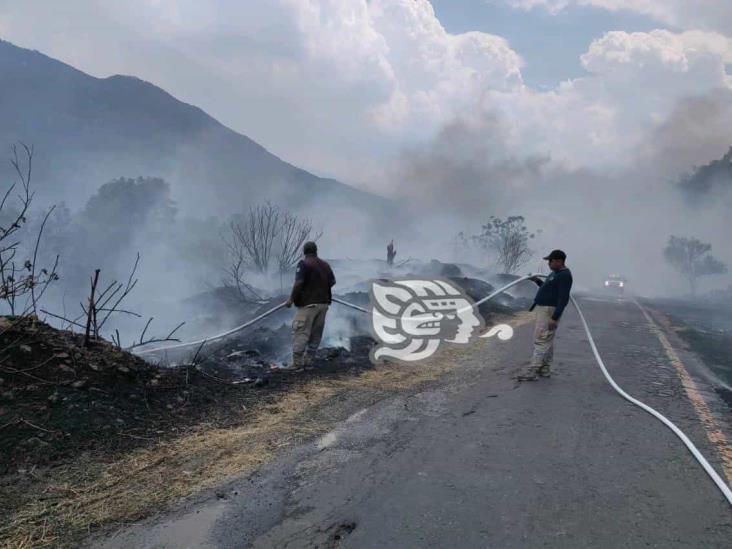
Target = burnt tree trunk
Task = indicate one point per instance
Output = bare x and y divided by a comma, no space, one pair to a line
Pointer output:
91,315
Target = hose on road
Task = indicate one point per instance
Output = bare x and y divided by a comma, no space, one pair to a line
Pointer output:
723,487
721,484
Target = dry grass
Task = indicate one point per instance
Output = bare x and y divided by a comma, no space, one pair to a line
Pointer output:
56,506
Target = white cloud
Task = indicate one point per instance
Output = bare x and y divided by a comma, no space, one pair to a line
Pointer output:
683,14
635,81
699,56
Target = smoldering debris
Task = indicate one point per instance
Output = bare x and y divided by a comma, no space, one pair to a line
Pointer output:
258,355
258,358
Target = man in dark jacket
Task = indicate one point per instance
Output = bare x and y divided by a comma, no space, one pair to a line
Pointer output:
311,295
549,303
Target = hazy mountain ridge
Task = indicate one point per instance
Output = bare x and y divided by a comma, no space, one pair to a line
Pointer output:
87,131
709,179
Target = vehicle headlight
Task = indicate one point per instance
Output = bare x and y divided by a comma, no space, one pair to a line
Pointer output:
622,284
607,283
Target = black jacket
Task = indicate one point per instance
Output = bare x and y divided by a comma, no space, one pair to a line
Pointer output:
315,278
554,291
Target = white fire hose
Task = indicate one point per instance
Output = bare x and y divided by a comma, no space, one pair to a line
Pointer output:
214,337
723,487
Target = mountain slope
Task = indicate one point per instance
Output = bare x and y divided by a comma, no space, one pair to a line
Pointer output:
706,182
88,130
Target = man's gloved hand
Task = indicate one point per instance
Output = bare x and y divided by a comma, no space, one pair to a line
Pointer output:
288,303
553,324
536,280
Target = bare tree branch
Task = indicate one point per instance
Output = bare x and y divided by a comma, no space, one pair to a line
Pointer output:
143,341
268,238
61,317
35,258
128,288
15,281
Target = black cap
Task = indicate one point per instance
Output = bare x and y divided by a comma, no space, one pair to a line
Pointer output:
557,254
310,248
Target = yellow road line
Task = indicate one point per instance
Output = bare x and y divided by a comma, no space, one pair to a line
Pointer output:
714,433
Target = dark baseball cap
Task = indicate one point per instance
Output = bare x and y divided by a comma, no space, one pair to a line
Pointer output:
557,254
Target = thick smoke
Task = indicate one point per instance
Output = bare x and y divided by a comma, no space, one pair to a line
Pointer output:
468,169
614,220
696,132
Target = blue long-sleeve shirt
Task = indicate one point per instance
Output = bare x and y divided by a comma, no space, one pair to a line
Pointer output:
554,291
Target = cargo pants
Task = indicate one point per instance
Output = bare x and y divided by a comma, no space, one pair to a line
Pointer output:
543,356
307,331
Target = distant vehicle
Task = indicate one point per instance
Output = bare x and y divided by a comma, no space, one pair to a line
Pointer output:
615,284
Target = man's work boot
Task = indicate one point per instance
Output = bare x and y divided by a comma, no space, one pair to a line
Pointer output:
297,364
529,374
527,377
308,361
545,370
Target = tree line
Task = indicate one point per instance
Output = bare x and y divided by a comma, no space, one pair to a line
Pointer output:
84,257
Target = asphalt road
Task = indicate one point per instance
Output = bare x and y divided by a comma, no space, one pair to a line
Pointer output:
481,461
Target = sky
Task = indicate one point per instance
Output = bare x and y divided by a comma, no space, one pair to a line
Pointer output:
346,88
550,43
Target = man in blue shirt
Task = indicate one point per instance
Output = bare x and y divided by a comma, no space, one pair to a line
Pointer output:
549,303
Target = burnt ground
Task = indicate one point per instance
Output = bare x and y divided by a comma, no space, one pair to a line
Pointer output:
706,327
58,398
